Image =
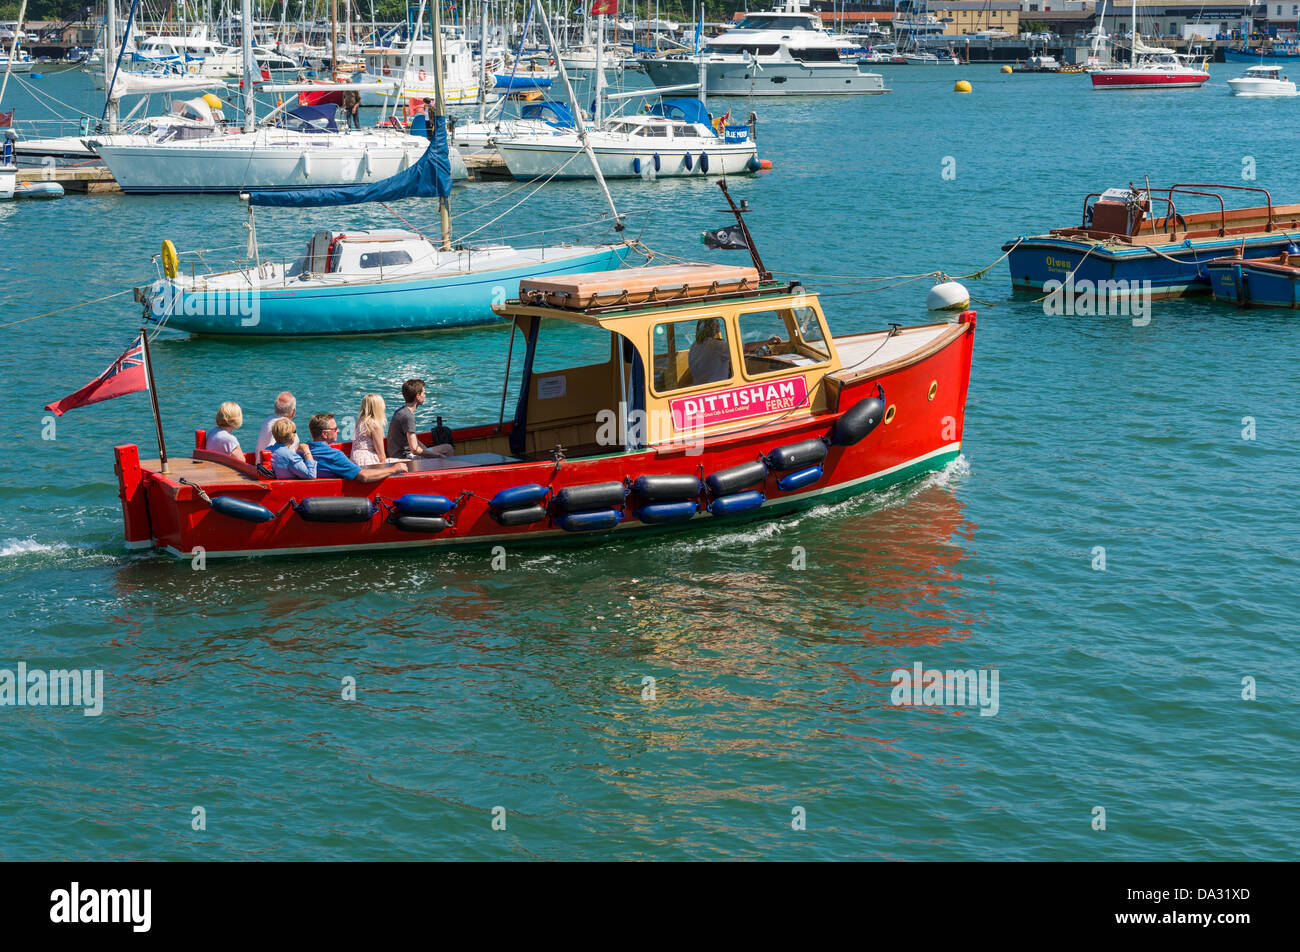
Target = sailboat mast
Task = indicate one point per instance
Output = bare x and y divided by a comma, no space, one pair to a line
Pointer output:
600,68
577,114
1134,36
246,41
110,59
440,110
334,39
482,60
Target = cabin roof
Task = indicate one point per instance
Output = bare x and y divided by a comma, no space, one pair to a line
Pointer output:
598,297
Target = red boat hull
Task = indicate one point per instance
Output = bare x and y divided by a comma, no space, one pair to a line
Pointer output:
1149,80
927,394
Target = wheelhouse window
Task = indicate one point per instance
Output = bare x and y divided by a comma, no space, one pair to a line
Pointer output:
776,341
385,259
690,353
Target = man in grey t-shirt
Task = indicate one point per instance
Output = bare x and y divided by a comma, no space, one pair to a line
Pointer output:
402,443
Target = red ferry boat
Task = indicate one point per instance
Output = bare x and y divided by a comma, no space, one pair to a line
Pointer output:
653,435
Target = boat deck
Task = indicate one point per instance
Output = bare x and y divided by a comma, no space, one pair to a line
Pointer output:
864,354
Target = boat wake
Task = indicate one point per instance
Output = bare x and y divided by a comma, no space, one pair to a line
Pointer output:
20,547
868,502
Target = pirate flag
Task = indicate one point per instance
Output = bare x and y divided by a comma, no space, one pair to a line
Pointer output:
730,238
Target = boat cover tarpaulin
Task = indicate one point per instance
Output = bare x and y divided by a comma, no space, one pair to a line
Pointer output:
429,177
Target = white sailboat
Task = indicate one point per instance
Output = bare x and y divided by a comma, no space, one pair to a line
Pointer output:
675,138
1150,68
305,149
377,281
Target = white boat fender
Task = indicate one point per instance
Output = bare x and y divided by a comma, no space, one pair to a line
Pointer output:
306,165
800,454
736,503
593,496
335,509
666,487
590,521
948,296
799,479
659,513
859,420
366,162
727,481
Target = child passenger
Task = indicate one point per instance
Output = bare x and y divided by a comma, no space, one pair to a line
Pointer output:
369,438
288,462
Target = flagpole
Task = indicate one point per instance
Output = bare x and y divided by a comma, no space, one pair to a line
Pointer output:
153,398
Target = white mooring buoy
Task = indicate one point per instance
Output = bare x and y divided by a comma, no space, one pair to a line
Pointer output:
948,296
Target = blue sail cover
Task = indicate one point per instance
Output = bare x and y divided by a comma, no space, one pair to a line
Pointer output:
429,177
686,110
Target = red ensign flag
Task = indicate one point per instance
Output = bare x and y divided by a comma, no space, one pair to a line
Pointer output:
604,8
125,375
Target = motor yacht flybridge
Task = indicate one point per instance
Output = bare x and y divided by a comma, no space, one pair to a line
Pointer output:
786,52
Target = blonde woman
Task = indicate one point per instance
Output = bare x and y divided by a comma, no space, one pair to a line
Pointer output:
221,438
372,422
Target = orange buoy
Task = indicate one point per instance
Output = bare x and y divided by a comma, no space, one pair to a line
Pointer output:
765,165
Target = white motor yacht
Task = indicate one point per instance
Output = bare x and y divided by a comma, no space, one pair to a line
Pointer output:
1262,81
785,52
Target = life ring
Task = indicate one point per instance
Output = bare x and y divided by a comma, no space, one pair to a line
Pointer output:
171,264
422,76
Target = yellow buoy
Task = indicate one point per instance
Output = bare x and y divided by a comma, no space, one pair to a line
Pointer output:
962,86
171,264
212,100
1006,69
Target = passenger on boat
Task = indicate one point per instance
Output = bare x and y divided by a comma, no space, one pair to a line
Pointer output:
221,438
285,407
369,439
332,464
286,461
402,442
709,359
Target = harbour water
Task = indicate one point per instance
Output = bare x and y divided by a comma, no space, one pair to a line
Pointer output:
1170,446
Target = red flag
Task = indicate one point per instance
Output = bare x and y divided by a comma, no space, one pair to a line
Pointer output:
604,8
125,375
6,119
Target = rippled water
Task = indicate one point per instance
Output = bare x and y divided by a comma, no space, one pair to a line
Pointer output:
523,688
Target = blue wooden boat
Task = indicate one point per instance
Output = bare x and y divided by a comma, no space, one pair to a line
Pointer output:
1129,237
1277,52
1257,282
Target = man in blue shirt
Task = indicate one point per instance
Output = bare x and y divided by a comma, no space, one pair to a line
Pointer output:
332,464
